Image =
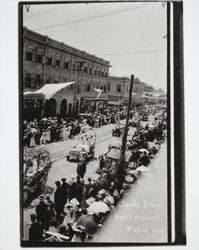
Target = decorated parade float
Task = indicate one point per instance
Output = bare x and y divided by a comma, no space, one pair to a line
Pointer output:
36,165
85,147
118,130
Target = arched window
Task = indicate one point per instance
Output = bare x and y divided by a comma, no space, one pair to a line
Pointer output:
70,109
63,108
50,107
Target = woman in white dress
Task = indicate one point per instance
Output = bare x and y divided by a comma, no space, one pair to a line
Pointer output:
32,139
69,131
43,137
48,139
61,134
64,132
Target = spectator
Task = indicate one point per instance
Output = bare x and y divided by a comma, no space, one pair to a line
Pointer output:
36,229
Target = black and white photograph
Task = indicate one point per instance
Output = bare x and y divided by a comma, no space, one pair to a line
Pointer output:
101,123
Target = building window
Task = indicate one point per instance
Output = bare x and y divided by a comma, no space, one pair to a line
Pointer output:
66,65
71,87
73,66
90,71
78,89
105,74
49,60
88,88
119,88
105,88
29,56
57,62
38,79
78,67
28,80
95,72
109,86
39,58
85,69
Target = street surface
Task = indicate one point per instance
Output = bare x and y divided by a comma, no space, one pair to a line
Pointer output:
63,168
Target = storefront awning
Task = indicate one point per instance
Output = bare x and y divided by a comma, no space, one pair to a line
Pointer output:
114,103
94,99
48,90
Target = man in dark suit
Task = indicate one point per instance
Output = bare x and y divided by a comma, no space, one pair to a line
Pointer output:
36,229
41,211
58,199
64,189
81,168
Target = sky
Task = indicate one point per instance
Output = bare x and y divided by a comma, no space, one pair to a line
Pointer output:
129,35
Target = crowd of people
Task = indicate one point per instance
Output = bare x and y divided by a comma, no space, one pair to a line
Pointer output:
53,129
80,206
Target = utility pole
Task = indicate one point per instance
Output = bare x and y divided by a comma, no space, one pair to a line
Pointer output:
125,133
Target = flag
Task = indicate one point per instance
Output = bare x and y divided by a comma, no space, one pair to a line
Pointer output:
99,92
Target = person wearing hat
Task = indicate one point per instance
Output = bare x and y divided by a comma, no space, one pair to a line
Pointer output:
95,188
81,168
58,199
79,189
36,229
89,186
72,188
64,191
41,212
50,208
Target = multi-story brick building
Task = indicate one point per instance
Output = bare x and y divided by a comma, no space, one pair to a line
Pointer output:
47,61
119,89
149,88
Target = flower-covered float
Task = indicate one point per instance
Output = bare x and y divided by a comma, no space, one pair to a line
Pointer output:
85,147
118,130
36,164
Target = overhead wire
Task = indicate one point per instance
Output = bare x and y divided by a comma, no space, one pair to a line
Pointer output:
134,52
105,14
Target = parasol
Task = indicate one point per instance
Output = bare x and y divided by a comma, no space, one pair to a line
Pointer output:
109,200
129,179
142,169
44,119
142,150
90,200
74,202
88,223
98,207
133,172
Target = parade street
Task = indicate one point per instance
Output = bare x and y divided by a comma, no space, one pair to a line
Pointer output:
63,168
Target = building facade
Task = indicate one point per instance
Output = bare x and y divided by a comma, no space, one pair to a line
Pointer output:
47,61
149,88
116,89
119,89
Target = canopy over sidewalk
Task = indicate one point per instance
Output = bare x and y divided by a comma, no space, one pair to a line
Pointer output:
48,90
